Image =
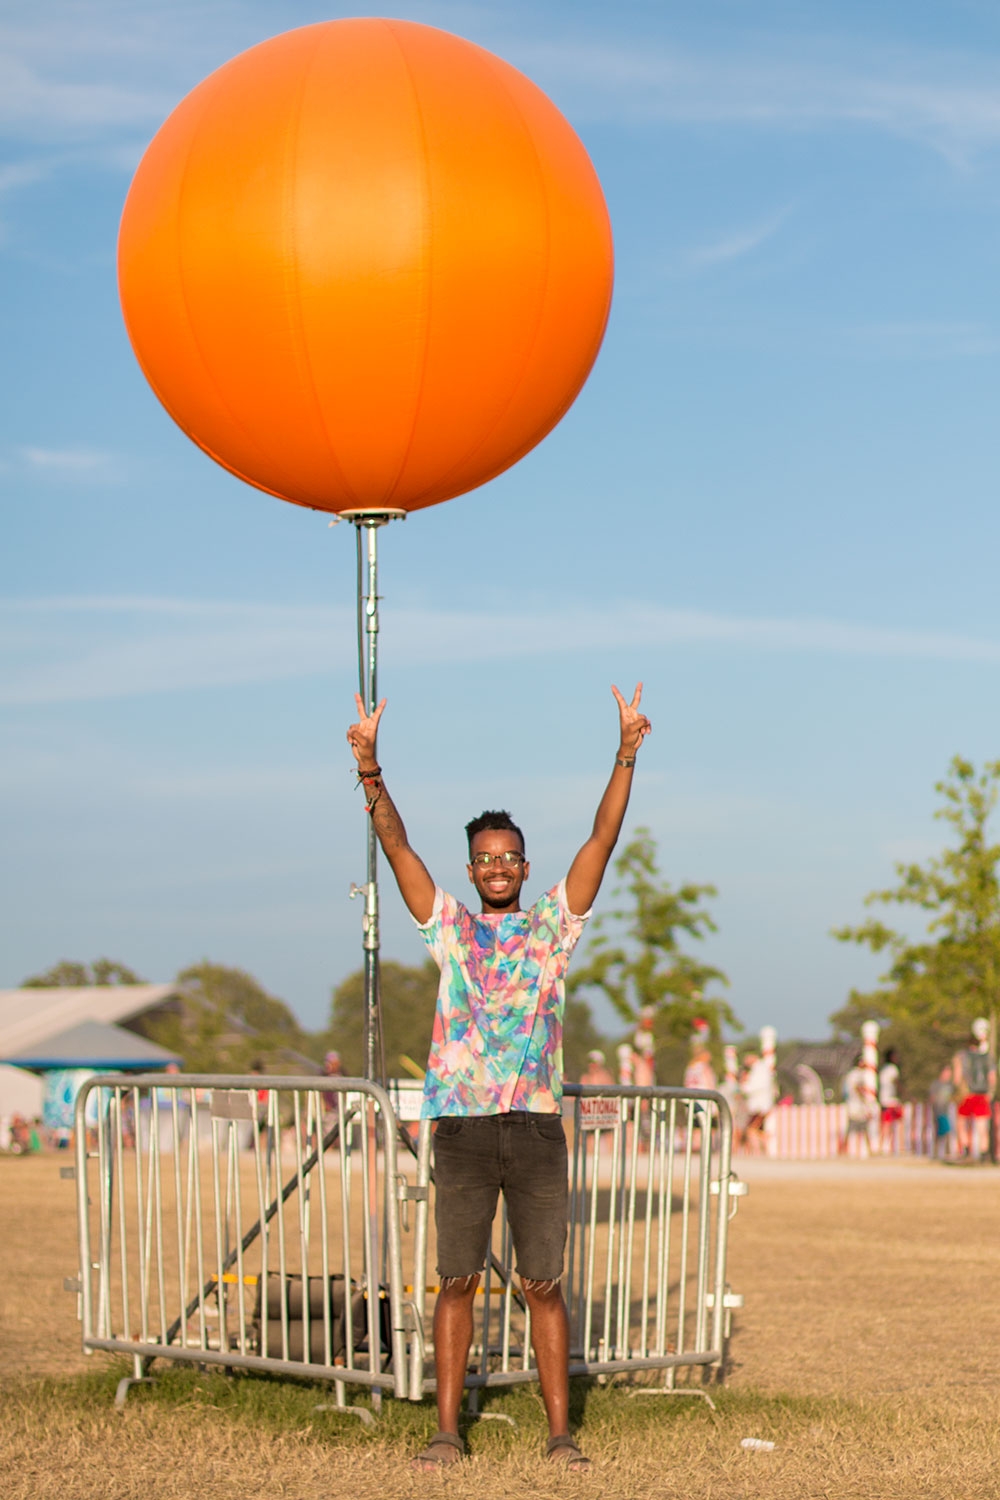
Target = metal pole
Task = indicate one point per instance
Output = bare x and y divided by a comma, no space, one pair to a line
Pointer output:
367,524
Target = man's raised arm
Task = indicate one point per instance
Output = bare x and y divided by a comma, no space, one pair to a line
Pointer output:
415,884
587,870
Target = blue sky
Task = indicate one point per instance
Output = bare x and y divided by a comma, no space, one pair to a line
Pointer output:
775,502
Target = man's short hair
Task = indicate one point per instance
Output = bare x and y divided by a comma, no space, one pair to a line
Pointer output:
500,821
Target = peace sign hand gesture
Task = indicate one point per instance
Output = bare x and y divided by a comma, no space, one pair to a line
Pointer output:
362,736
634,725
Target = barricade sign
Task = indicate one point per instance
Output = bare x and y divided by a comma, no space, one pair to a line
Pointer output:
599,1114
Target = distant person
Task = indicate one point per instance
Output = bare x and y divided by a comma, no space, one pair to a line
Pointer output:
862,1105
597,1074
699,1074
757,1084
644,1047
975,1078
942,1093
333,1067
890,1109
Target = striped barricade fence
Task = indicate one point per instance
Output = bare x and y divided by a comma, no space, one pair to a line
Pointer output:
812,1132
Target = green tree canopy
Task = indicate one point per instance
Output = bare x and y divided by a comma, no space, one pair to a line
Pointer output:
409,996
224,1021
937,982
635,957
70,975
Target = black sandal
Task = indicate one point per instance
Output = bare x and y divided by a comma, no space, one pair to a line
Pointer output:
563,1449
442,1441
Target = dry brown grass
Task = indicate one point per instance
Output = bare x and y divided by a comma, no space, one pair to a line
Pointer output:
866,1353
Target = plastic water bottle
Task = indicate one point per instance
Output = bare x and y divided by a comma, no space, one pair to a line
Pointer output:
757,1445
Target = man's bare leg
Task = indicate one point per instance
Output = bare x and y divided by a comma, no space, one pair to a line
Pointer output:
550,1341
452,1340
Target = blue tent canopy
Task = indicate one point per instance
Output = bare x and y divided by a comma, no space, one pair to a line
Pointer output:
97,1046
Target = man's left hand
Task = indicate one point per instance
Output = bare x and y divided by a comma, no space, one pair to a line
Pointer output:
634,725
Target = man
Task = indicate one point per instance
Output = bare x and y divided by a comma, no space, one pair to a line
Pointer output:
975,1076
862,1106
597,1074
891,1110
757,1083
494,1077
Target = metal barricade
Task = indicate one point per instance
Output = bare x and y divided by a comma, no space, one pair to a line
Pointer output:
243,1222
652,1192
259,1224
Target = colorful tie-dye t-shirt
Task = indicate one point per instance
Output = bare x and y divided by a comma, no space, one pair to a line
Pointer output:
497,1043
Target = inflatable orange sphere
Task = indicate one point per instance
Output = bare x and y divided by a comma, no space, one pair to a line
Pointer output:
366,265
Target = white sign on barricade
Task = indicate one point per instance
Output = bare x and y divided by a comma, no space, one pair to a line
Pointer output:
599,1114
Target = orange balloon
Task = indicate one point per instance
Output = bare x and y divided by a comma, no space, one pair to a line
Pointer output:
366,265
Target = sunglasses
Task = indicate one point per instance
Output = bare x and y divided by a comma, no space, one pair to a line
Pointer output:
508,857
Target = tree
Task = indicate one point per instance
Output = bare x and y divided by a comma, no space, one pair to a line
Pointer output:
635,957
936,984
71,975
224,1021
409,997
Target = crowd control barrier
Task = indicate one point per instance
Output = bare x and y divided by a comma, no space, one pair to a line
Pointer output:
233,1222
286,1226
651,1196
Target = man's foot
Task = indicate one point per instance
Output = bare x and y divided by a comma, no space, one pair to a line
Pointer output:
561,1449
443,1448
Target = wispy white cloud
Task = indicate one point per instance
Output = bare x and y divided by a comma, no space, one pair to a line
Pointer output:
737,243
78,650
78,462
947,100
925,340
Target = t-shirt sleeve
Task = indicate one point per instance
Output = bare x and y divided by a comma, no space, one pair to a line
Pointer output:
432,931
570,926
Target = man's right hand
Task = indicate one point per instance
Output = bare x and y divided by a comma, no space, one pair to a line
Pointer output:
362,736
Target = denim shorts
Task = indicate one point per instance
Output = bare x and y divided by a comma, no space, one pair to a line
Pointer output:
478,1157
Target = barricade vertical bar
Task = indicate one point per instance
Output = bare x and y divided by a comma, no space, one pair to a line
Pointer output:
370,1233
219,1254
722,1228
157,1199
199,1239
260,1173
178,1215
685,1227
420,1227
344,1128
324,1242
105,1175
303,1226
140,1232
394,1248
241,1312
588,1328
647,1242
704,1211
83,1212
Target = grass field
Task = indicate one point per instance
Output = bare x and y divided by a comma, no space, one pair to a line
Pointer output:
867,1352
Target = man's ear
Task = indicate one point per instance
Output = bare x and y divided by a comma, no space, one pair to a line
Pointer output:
471,877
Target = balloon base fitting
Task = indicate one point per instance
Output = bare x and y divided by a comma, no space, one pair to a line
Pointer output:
378,514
